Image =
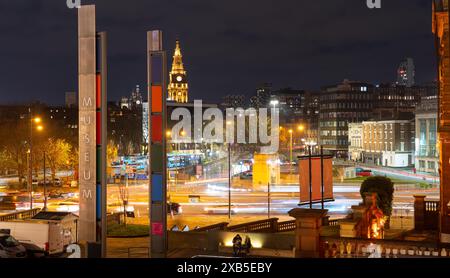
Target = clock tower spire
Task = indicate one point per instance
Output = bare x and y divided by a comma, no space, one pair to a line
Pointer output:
178,86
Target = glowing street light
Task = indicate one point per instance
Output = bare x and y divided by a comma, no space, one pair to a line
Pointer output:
274,103
37,120
301,127
39,128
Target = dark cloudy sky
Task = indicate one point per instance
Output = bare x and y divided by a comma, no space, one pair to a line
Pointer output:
229,46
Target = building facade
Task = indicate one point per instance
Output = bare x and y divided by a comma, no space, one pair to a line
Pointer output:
355,139
440,28
348,102
427,155
178,85
396,102
388,143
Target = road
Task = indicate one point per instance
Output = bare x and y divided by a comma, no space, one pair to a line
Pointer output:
246,202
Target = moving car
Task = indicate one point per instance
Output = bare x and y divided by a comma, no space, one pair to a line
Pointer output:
65,206
364,173
222,209
14,202
174,207
10,247
246,175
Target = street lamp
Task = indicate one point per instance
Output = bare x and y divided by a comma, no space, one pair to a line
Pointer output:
290,151
274,102
37,121
229,175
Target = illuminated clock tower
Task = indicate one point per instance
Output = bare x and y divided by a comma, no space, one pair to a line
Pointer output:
178,86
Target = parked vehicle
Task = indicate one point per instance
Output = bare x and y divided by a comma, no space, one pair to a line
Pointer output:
33,251
10,247
57,182
246,175
45,235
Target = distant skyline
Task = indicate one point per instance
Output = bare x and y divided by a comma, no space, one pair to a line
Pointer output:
229,47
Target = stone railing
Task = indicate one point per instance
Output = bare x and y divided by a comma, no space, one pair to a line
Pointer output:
332,247
27,214
287,226
216,227
262,226
426,213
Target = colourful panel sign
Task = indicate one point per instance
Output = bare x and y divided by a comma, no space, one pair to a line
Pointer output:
157,229
156,159
98,98
157,128
157,99
157,188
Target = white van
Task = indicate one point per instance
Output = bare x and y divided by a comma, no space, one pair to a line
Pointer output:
47,235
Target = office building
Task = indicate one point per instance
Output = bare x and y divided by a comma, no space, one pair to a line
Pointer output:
341,104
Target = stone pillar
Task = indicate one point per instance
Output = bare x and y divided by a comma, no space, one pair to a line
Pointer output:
307,233
419,212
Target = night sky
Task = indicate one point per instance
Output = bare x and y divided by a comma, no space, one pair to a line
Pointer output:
228,46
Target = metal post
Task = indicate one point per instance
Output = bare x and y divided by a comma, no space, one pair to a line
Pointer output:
268,200
229,180
30,159
290,155
321,175
310,177
45,186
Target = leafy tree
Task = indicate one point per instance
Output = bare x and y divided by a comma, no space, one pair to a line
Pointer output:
384,188
57,152
13,142
112,152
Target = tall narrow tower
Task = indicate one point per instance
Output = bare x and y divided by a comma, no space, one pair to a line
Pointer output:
442,35
178,86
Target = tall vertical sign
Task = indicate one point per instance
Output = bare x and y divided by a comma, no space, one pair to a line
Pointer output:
92,127
157,80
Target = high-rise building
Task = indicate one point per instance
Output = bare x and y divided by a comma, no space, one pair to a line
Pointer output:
262,97
234,101
341,104
406,73
291,104
440,27
71,99
178,85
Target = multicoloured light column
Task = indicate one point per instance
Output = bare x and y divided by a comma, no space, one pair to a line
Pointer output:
92,133
157,86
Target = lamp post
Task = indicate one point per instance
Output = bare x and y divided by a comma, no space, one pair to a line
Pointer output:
268,188
45,186
290,151
229,175
39,128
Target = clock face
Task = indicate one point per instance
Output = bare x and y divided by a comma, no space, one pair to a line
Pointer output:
179,78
